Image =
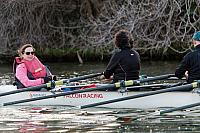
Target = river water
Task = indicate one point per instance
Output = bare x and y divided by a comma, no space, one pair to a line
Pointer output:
56,119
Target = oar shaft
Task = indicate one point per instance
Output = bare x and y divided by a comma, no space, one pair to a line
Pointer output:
158,86
179,88
179,108
60,94
83,77
156,78
23,90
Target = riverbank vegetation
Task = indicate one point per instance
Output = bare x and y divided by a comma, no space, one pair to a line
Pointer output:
68,29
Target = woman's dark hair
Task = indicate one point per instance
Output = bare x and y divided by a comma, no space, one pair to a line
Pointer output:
123,39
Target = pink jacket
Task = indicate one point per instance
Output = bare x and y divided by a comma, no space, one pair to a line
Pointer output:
21,74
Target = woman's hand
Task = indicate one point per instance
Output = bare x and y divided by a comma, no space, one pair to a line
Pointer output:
47,79
54,77
186,75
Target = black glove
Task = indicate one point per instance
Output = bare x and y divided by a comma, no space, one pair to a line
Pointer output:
47,79
54,78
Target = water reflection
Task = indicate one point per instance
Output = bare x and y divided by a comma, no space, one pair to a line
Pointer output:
65,119
32,119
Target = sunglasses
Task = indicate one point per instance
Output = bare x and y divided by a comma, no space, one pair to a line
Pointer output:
28,53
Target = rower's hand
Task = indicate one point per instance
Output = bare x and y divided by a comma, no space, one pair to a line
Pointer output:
54,77
186,75
102,77
47,79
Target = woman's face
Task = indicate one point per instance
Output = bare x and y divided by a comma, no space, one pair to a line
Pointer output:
28,54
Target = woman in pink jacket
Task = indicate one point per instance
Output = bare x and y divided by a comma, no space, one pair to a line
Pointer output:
29,71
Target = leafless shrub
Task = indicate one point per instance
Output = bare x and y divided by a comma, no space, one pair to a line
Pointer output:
156,25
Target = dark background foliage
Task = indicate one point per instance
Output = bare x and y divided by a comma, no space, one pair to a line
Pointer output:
63,29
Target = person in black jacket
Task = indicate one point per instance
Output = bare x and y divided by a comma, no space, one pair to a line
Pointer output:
190,64
124,64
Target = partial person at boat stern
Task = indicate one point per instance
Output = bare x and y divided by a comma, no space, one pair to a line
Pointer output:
28,69
125,62
190,64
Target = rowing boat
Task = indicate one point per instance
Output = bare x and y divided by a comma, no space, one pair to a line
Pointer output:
168,99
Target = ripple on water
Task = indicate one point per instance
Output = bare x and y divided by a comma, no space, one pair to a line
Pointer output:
63,119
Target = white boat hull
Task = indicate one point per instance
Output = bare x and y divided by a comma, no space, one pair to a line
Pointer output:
170,99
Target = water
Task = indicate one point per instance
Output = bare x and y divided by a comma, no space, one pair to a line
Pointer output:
95,120
39,119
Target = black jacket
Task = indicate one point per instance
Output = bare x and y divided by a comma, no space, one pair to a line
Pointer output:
190,63
125,65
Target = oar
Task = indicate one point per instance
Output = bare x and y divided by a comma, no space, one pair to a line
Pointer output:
179,108
177,88
157,113
109,86
156,86
60,82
